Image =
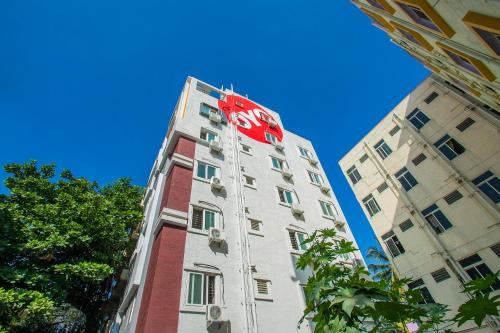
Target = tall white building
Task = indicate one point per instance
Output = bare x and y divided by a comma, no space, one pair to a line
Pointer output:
229,200
427,179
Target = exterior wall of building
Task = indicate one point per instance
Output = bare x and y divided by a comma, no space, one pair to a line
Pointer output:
153,296
474,216
430,47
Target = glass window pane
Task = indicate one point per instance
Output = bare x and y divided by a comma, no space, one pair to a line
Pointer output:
201,170
195,288
488,188
209,219
210,172
289,198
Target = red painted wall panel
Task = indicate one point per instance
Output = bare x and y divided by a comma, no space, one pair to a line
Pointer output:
160,302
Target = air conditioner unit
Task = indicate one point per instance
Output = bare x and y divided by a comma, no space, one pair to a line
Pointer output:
279,146
297,209
216,183
215,117
313,161
339,223
324,188
272,123
215,314
286,172
215,235
216,145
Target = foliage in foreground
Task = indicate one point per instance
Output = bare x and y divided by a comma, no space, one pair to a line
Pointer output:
62,244
344,299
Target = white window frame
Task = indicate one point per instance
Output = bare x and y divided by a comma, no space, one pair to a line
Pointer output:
250,150
332,208
270,138
306,152
245,176
293,196
295,232
313,175
203,231
283,163
217,289
259,296
207,165
208,132
369,208
253,231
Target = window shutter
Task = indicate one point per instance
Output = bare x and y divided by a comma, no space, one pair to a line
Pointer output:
382,187
496,249
419,159
440,275
197,222
465,124
210,289
394,130
453,197
262,287
431,97
406,225
255,225
293,240
363,158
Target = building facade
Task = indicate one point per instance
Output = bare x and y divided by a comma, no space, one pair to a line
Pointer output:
427,179
458,40
229,200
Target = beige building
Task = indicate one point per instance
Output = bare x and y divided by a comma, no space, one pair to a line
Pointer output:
456,39
427,179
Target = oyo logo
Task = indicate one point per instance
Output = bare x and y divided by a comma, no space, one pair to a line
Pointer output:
250,119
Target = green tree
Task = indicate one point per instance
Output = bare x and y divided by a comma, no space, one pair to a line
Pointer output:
63,242
342,297
380,268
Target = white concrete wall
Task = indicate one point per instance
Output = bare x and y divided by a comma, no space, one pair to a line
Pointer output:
474,217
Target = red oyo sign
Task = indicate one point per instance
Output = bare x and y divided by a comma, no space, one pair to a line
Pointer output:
250,118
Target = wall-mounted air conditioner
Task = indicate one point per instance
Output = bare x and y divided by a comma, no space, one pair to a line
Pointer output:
272,123
216,183
279,146
324,188
216,145
286,172
215,314
215,235
297,209
215,116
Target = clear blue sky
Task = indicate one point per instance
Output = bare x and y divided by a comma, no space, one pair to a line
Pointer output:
90,85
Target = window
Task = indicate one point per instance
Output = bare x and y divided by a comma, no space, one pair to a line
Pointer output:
296,240
406,179
205,109
246,149
304,152
286,196
382,187
465,124
382,4
436,219
315,178
496,249
440,275
262,286
417,118
250,181
206,171
413,36
393,244
207,90
453,197
431,97
371,205
394,130
489,184
255,225
327,208
382,149
426,294
468,62
449,147
270,138
353,175
419,159
476,269
207,135
363,158
425,16
201,289
486,29
278,163
378,21
405,225
204,219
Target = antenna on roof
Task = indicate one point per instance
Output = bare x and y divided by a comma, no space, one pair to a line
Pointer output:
232,90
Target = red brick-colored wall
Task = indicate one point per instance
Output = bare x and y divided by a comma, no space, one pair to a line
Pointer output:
160,302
